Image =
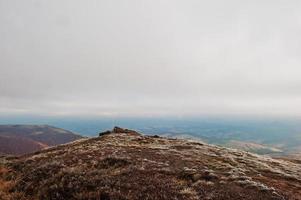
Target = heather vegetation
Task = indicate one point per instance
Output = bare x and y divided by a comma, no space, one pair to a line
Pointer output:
123,164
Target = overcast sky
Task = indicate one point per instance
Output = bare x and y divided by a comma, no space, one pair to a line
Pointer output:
150,57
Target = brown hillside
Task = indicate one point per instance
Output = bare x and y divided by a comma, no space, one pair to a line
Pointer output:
18,145
23,139
127,165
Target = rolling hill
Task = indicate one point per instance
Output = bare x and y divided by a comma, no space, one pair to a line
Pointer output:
22,139
123,164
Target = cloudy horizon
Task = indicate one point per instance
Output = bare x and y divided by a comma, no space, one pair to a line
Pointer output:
150,58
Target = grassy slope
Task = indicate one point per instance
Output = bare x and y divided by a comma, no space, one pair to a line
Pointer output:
131,166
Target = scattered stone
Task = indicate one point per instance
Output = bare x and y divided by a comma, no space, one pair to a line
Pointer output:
105,133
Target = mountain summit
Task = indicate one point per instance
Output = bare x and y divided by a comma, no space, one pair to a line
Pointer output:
123,164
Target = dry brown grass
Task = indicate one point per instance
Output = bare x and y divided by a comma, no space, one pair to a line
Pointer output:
133,167
5,186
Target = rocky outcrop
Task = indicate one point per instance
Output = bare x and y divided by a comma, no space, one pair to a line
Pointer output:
117,129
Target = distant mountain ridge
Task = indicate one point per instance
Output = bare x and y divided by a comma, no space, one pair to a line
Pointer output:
23,139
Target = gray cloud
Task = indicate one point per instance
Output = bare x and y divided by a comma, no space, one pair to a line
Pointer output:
150,57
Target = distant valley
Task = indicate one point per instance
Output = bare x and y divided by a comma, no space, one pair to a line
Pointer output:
275,137
271,138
